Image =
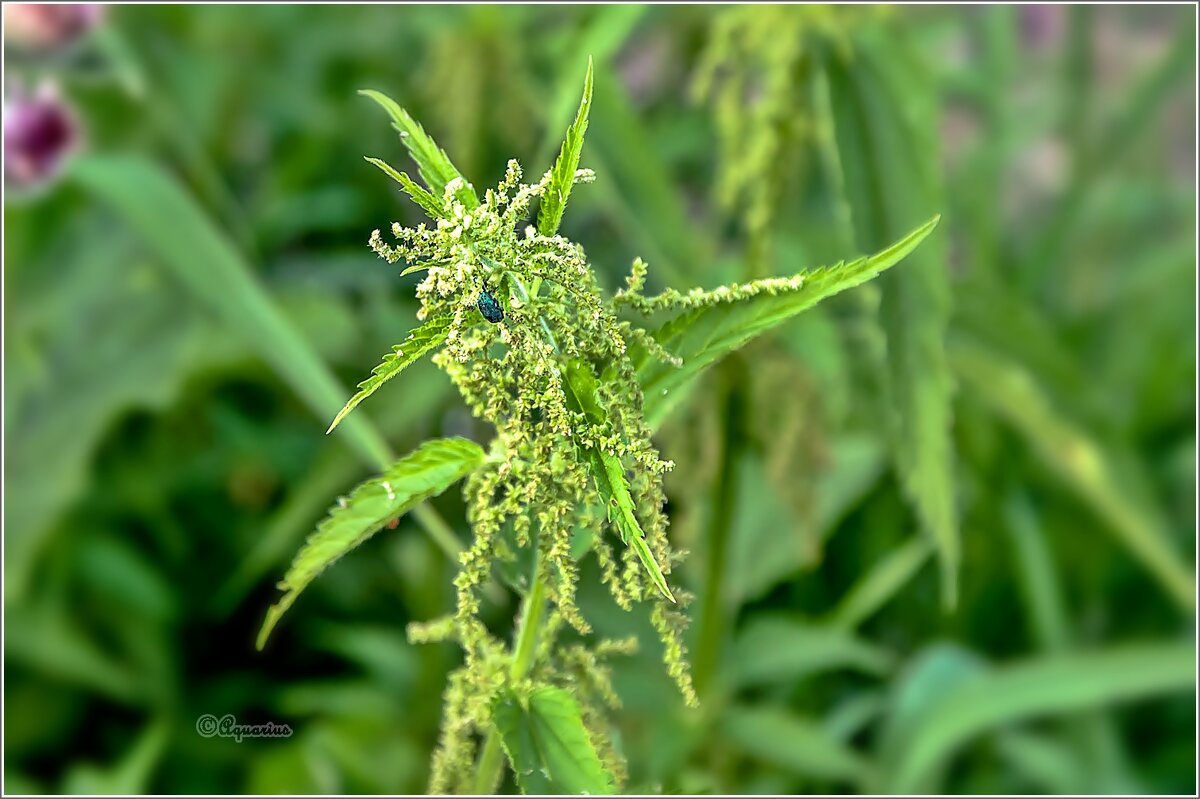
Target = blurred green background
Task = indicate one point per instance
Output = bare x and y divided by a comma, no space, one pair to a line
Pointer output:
190,298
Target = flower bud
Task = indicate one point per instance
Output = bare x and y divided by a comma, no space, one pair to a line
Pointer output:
41,27
40,131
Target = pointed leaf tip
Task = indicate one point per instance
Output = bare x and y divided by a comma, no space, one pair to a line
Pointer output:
426,472
562,175
424,338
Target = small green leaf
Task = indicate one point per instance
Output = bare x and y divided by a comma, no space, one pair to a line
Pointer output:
704,334
424,473
432,162
547,744
419,342
609,474
419,195
562,177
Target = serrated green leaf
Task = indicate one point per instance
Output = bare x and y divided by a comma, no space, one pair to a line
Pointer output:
884,115
1036,688
609,474
547,745
426,472
420,341
1009,390
419,195
562,176
432,162
703,335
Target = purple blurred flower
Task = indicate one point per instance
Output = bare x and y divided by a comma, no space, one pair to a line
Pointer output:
49,26
1041,25
40,131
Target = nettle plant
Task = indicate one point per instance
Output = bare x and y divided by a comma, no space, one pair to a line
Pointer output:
575,385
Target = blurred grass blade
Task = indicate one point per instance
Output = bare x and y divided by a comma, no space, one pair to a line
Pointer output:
420,341
1036,688
703,335
644,196
884,116
424,473
1039,576
1044,761
132,771
1010,391
329,474
160,210
1094,732
602,37
775,649
47,639
1143,102
853,714
882,582
798,745
562,176
419,195
432,162
547,745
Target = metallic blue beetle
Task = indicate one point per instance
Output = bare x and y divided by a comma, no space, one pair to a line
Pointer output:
490,308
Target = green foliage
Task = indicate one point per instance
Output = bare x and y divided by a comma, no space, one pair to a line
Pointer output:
878,585
883,113
189,301
614,493
426,472
581,425
419,342
1053,684
419,194
562,176
547,744
432,162
793,743
773,649
609,474
1081,462
209,265
717,322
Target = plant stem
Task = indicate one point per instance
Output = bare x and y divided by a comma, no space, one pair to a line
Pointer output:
487,773
711,630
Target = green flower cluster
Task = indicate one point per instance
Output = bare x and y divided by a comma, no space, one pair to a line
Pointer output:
530,376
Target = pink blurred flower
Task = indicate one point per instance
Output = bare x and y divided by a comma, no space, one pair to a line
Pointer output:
40,132
49,26
1041,25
